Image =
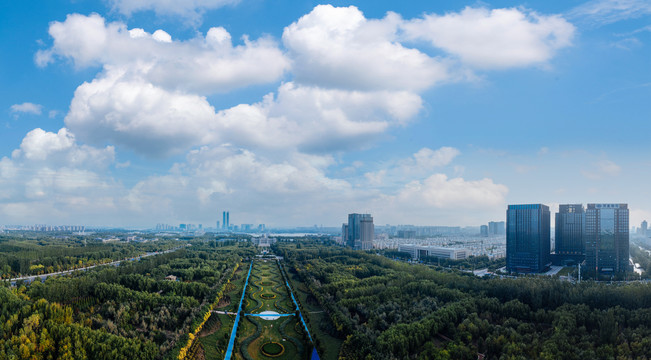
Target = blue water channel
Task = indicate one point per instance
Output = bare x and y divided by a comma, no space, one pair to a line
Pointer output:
231,342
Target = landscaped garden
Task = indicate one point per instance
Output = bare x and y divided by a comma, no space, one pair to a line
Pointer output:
269,329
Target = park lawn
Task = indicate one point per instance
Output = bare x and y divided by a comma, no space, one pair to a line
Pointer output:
270,333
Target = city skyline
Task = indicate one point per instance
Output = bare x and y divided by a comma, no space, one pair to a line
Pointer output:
119,113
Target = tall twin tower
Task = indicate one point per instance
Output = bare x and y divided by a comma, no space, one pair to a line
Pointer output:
599,234
226,220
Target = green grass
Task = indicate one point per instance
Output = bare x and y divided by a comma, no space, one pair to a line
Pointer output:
214,345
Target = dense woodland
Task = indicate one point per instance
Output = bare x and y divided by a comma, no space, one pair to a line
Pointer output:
386,309
378,307
47,254
123,312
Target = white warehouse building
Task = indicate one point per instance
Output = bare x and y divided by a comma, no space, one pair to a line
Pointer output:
419,251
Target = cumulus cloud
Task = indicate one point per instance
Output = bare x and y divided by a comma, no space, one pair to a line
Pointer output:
53,175
313,119
204,64
427,159
191,10
158,122
61,149
137,114
494,39
242,181
27,108
440,192
354,80
339,47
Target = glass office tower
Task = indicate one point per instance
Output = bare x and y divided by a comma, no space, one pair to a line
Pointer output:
607,238
570,226
359,232
527,238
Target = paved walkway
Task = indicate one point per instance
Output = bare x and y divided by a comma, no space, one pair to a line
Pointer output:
223,312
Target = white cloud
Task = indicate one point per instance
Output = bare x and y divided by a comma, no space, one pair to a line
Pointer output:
243,182
206,65
603,168
494,39
376,178
137,114
318,120
27,108
191,10
602,12
427,159
55,177
61,149
339,47
440,192
158,122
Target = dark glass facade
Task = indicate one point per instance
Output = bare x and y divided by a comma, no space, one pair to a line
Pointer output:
359,231
570,226
607,238
527,238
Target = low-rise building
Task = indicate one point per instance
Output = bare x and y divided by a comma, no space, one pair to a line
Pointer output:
419,251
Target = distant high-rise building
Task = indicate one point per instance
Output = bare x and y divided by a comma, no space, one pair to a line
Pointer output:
607,238
527,238
570,226
644,228
225,220
483,230
358,234
496,228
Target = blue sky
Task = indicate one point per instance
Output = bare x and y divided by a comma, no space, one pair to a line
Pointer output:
132,113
